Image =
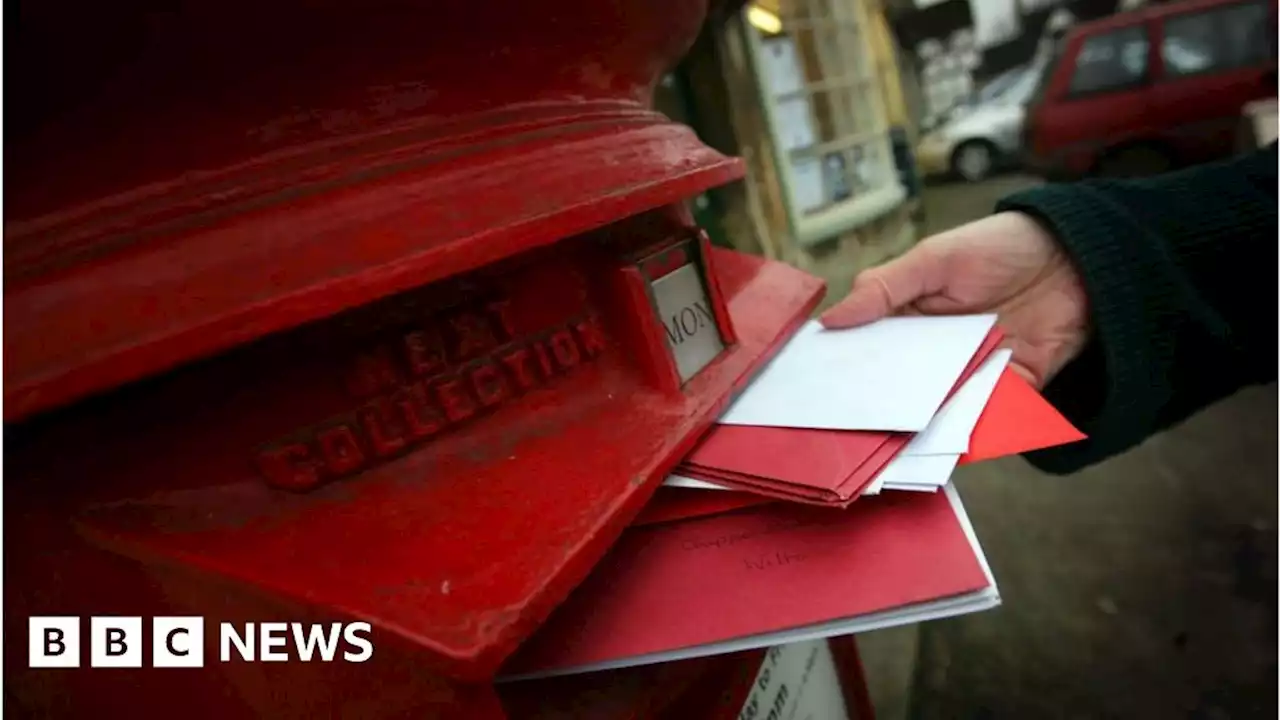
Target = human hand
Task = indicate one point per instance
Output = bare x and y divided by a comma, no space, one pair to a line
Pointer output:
1004,264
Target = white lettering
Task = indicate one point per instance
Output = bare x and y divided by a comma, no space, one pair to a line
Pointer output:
327,642
179,641
228,636
350,634
273,636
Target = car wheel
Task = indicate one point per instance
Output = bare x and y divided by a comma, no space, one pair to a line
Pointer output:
1135,161
973,160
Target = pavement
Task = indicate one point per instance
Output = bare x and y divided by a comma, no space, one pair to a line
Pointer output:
1143,587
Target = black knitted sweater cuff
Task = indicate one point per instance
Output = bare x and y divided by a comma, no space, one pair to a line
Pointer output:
1114,390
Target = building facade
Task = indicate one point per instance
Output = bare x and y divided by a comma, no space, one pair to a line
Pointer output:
808,92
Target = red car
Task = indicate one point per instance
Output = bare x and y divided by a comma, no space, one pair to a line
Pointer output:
1151,90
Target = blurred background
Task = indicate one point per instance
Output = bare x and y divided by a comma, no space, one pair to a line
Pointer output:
1144,587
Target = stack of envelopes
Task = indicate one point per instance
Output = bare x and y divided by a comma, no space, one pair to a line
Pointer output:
756,540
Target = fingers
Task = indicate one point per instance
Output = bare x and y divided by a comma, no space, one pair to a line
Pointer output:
888,288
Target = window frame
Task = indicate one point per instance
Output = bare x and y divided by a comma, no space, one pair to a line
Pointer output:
1219,11
1143,80
841,215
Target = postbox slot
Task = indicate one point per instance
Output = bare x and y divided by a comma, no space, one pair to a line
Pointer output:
501,355
519,343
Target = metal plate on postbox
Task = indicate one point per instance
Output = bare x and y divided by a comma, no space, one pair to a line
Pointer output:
680,299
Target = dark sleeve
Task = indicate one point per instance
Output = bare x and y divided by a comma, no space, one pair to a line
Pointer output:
1180,271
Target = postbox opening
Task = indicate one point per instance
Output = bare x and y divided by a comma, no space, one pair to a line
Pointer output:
388,460
517,343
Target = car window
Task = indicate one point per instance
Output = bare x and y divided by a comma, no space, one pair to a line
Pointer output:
1111,61
1020,92
1228,37
998,86
1048,69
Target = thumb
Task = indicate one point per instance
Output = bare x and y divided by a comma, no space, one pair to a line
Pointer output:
1031,376
882,290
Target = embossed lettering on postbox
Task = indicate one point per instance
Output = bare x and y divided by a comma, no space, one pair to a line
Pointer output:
426,380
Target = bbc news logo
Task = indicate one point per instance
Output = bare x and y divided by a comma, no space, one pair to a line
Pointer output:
178,642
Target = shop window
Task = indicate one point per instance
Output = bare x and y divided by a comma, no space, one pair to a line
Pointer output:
826,114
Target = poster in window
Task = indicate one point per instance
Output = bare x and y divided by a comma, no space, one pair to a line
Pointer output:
780,65
836,176
794,122
806,184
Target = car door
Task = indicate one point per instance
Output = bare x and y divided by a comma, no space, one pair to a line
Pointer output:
1100,98
1211,63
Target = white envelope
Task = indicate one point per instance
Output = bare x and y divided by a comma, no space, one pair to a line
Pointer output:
912,472
889,375
950,430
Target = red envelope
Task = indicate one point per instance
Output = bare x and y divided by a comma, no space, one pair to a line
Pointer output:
792,456
768,569
823,467
841,493
1017,419
677,503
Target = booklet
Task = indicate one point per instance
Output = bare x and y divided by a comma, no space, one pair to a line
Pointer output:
765,576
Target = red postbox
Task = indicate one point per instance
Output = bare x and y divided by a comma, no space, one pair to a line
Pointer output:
386,312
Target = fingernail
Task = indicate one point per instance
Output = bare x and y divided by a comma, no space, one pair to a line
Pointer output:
831,320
